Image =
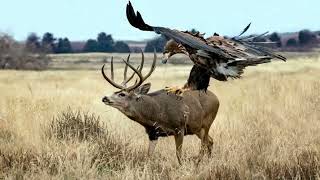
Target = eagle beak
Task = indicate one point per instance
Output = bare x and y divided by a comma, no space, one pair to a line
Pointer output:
165,58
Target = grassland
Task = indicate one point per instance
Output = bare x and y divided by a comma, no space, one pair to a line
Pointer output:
267,127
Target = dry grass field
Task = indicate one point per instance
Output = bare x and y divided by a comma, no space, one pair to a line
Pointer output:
53,125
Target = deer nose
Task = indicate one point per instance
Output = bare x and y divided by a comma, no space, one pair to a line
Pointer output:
105,99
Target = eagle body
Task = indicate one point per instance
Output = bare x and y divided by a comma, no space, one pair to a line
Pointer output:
199,79
216,56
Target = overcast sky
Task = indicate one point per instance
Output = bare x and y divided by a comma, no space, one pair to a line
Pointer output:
83,19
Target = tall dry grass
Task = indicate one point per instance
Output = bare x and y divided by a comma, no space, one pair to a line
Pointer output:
267,127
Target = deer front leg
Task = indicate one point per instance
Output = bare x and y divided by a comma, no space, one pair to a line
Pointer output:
152,146
153,139
178,137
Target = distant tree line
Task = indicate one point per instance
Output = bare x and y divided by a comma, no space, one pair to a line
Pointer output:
304,39
156,44
50,44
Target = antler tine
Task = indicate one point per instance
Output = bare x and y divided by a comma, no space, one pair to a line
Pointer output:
112,73
142,61
140,67
132,75
109,80
124,82
142,79
126,69
153,65
137,71
137,84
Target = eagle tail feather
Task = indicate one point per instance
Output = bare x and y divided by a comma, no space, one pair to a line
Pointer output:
136,20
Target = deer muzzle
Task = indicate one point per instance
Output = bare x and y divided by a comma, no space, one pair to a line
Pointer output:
106,100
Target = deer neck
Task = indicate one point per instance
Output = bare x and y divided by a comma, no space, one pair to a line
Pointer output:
144,111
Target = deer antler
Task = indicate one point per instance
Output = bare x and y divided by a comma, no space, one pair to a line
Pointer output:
111,81
137,71
125,80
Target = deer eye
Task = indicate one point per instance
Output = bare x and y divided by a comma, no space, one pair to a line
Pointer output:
121,94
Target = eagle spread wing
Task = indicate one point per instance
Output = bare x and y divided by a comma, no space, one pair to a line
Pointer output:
180,37
216,56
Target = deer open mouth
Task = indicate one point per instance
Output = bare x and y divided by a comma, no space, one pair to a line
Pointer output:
109,103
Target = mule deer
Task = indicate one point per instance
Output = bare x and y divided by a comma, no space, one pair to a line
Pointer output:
162,113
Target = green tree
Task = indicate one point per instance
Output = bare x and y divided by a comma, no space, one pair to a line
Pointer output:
292,42
63,46
156,43
274,37
48,42
307,37
105,42
32,43
121,47
91,46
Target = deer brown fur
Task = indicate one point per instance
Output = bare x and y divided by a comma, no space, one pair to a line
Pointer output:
165,114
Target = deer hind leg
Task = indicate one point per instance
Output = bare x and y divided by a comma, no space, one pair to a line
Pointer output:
178,137
209,139
209,145
201,135
207,142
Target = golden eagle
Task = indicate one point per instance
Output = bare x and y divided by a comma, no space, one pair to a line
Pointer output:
217,57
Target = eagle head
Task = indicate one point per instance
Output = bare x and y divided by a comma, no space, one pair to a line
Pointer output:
171,48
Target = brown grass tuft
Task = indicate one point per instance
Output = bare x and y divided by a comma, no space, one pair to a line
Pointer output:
71,125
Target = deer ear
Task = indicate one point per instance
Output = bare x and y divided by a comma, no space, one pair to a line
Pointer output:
144,89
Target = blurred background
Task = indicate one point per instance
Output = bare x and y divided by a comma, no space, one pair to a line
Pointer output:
60,27
53,124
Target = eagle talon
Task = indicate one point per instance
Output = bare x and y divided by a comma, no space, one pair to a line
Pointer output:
176,91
